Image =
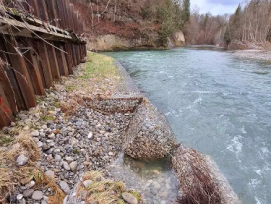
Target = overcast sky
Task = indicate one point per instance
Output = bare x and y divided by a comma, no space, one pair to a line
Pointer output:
215,6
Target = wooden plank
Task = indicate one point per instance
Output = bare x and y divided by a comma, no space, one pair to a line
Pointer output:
53,61
69,58
43,10
6,116
20,70
33,66
45,63
22,25
64,61
52,12
7,80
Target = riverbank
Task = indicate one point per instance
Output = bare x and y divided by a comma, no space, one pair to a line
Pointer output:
253,54
78,127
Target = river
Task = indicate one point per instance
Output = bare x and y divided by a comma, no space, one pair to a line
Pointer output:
217,104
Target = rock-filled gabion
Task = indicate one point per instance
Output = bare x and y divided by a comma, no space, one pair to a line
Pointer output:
114,105
148,136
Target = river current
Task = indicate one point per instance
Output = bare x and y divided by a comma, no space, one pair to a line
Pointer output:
215,103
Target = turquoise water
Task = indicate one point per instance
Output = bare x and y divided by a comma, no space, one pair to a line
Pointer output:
217,104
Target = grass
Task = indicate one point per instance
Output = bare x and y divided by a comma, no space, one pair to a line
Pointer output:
46,118
100,66
5,140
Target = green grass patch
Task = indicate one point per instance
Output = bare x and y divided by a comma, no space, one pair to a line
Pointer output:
70,88
46,118
5,140
100,66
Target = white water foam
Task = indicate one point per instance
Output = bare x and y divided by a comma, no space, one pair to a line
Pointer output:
243,130
236,145
198,100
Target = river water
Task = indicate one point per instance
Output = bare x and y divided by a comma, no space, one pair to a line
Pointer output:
217,104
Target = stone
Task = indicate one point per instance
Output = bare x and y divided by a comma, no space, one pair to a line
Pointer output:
35,133
66,166
50,173
73,166
51,136
19,197
37,195
25,181
30,184
57,157
90,135
21,160
28,193
39,144
69,159
87,183
12,124
65,187
129,198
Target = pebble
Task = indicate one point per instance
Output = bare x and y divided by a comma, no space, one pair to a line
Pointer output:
73,166
30,184
28,193
35,133
21,160
129,198
65,187
90,135
50,173
37,195
57,157
66,166
19,197
87,183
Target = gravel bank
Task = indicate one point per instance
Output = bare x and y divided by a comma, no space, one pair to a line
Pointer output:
253,54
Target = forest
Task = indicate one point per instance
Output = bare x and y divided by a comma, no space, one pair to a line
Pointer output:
248,26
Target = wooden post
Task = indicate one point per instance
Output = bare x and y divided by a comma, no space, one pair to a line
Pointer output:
46,67
21,73
34,70
6,116
53,61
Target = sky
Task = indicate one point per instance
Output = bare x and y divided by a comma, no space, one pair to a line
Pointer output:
215,6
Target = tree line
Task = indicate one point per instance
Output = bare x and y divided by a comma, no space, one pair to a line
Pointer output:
250,24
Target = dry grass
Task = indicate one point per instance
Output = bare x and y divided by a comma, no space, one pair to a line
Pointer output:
11,175
197,184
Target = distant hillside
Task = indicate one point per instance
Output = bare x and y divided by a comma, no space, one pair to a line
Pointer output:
132,24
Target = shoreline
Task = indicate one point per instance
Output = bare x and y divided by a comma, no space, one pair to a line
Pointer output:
253,54
77,129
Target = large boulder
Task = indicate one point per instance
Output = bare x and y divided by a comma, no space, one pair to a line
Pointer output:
148,136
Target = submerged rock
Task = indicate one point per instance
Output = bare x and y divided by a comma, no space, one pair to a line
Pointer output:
148,136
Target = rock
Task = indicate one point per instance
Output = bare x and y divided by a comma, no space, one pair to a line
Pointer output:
149,135
25,181
64,186
39,144
90,135
87,183
12,124
21,160
129,198
30,185
73,166
66,166
28,193
57,157
50,173
69,159
35,133
51,136
37,195
19,197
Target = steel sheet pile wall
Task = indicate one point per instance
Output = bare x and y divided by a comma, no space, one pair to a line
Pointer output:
39,43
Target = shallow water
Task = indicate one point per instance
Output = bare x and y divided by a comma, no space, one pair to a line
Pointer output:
217,104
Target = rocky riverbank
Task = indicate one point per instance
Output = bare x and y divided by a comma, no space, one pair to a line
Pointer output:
58,149
253,54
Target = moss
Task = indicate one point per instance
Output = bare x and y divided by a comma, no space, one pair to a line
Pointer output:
136,194
121,202
118,187
76,151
